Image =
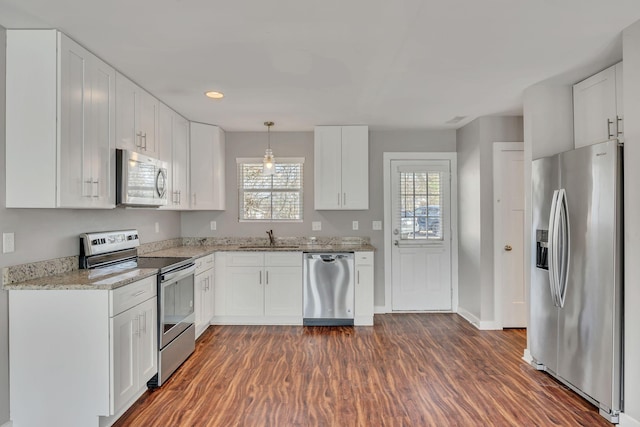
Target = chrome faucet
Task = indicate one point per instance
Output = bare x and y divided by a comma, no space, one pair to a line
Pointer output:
272,240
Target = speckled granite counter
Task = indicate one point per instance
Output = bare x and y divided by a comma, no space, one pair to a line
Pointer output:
103,278
63,273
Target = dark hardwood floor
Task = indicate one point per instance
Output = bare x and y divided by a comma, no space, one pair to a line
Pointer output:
408,370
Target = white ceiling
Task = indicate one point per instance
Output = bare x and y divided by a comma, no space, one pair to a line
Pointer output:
391,64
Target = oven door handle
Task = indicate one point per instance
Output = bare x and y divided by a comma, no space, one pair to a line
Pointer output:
179,274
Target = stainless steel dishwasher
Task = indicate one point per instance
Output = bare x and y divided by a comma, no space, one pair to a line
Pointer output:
328,289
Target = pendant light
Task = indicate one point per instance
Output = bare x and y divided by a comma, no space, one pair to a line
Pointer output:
269,162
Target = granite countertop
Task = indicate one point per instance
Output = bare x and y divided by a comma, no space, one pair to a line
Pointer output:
101,279
63,273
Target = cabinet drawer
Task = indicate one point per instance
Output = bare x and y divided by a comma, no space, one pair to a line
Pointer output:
242,259
364,258
124,298
204,263
285,259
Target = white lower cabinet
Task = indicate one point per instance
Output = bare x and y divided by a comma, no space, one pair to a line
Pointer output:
85,358
204,293
364,289
258,288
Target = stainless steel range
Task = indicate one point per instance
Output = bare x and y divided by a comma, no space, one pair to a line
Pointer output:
176,317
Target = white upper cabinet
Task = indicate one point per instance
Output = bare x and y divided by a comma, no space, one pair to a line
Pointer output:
341,167
60,129
137,118
597,107
173,148
207,167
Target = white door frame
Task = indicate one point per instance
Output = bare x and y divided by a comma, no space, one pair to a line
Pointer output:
497,229
387,158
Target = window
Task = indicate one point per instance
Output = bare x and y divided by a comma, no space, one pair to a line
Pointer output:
275,197
421,205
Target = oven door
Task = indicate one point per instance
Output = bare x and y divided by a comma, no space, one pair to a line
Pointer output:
142,180
176,304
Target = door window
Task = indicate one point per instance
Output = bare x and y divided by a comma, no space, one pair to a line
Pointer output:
421,200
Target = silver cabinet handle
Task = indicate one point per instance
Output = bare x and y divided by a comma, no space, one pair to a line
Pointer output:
344,199
179,198
96,185
619,129
267,273
144,322
358,277
145,141
139,138
260,279
338,199
137,294
137,330
84,192
609,134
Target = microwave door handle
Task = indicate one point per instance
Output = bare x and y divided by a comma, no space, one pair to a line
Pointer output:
161,183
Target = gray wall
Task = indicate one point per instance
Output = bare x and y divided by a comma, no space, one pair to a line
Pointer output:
475,216
334,223
42,234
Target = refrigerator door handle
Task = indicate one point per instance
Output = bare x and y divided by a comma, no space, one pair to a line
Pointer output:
564,234
553,248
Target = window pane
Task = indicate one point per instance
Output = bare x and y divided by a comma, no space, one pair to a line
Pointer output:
270,197
421,205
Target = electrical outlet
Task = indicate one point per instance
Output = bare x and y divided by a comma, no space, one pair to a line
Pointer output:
157,227
355,225
376,225
316,226
8,242
213,225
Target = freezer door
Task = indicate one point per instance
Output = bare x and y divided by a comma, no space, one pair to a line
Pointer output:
589,333
543,314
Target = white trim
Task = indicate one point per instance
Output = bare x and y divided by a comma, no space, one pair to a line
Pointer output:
386,165
469,317
627,421
379,309
498,303
7,424
526,356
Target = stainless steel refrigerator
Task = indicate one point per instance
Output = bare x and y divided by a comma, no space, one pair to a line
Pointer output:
575,325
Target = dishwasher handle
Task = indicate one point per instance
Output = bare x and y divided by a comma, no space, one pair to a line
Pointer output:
328,257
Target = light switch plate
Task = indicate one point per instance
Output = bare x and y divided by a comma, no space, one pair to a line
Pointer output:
213,225
8,243
376,225
316,226
355,225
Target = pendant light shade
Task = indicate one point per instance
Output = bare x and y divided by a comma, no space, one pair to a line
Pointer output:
269,162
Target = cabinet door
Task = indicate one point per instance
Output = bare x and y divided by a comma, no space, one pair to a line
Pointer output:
148,122
594,108
76,187
198,303
207,301
355,167
327,167
180,167
125,328
147,341
244,291
207,167
283,291
102,133
127,136
364,297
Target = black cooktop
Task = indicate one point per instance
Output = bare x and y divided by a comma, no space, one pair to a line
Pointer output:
163,263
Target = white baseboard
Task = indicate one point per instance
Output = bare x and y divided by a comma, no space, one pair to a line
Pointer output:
483,325
526,356
379,309
627,421
7,424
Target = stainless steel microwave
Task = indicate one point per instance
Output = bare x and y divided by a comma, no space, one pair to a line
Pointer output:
141,180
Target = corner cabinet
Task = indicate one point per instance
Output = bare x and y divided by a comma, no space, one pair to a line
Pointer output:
598,108
207,167
96,349
258,288
341,167
137,118
203,293
60,120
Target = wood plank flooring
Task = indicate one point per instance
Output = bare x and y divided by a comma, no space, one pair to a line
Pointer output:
408,370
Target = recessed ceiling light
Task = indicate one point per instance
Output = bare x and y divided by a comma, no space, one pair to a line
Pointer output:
214,94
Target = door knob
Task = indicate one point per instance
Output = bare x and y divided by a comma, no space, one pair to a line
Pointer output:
395,242
507,248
